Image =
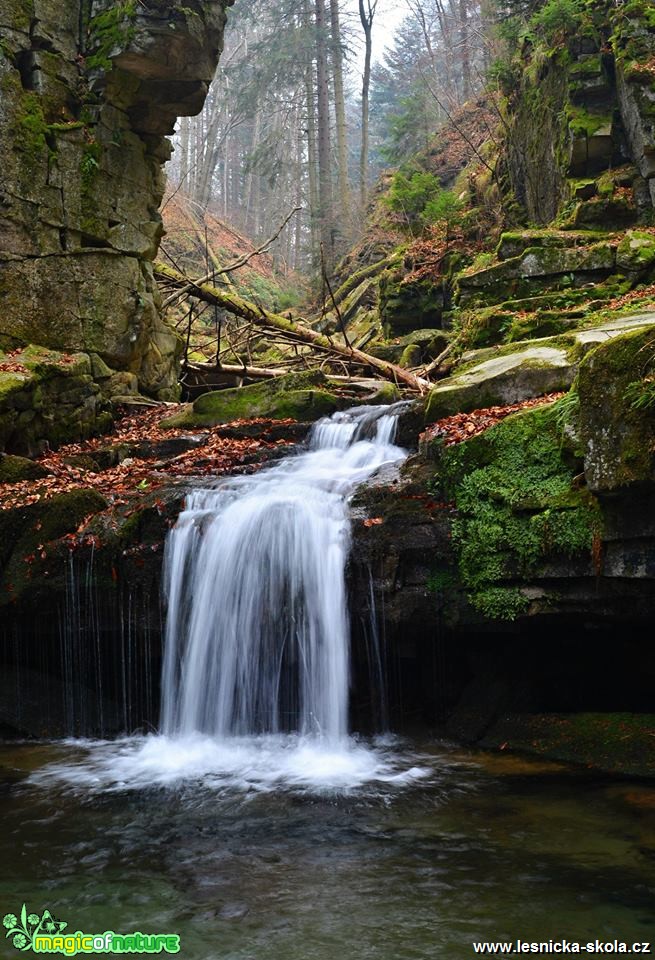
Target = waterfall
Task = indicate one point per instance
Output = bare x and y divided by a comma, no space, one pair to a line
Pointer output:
257,636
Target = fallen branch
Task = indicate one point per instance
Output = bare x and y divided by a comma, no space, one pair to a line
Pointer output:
436,363
252,373
289,328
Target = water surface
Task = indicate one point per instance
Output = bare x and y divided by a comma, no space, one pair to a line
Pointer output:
391,850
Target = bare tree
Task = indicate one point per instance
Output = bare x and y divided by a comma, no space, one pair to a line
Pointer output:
367,10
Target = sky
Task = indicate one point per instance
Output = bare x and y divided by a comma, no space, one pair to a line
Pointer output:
387,19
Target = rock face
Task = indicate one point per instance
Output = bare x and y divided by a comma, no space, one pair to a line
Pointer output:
88,93
585,108
514,573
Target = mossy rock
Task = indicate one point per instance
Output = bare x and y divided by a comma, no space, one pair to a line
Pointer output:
545,323
537,271
299,396
636,252
611,212
430,342
411,356
542,261
409,304
618,743
516,242
15,469
617,411
517,508
510,378
386,394
26,529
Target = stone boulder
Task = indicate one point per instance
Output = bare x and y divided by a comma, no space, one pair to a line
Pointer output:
298,396
511,378
617,411
47,397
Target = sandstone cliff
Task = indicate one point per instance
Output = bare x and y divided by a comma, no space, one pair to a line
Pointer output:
89,92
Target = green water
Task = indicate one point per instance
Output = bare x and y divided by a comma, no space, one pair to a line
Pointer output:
485,848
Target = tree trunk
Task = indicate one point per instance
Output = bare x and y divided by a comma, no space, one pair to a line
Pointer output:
324,152
293,329
465,58
342,131
366,14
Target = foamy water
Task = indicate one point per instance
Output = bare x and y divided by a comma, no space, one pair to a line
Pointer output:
261,763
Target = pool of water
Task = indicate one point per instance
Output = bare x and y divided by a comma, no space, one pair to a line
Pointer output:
406,850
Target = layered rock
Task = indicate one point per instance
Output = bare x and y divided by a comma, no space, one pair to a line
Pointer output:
89,92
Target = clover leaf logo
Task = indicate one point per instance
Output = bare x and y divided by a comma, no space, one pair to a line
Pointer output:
22,930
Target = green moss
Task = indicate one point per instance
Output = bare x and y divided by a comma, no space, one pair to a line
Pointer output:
300,396
109,30
31,127
15,469
388,393
10,384
409,305
500,603
617,423
63,127
25,529
516,507
620,743
354,280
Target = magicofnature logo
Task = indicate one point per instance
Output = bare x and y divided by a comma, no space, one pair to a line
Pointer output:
23,930
42,933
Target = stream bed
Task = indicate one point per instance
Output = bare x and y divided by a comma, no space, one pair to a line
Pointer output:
406,850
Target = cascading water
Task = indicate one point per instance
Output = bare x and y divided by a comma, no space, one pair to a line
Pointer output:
256,666
257,637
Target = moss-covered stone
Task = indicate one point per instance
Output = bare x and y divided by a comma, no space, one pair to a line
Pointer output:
618,743
88,93
636,252
617,411
50,398
407,304
15,469
517,506
510,378
515,242
25,533
299,396
612,212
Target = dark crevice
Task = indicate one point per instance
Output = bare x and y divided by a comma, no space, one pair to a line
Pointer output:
27,68
86,240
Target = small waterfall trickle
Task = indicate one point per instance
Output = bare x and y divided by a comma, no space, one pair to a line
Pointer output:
257,637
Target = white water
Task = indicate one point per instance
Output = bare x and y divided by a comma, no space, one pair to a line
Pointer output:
256,669
257,637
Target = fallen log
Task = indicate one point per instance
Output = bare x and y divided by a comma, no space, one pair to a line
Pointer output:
234,369
292,329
